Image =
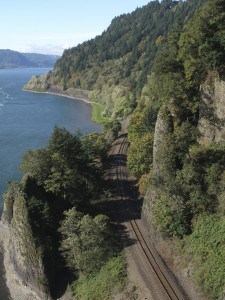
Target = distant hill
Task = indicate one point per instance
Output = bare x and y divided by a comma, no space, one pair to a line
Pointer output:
13,59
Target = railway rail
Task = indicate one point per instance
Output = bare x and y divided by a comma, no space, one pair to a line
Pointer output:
171,288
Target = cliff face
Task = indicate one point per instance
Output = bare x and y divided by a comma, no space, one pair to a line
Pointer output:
43,84
212,110
164,125
21,250
38,83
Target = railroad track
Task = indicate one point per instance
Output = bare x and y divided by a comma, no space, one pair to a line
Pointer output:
172,290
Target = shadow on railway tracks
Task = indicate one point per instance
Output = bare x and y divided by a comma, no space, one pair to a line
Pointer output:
123,201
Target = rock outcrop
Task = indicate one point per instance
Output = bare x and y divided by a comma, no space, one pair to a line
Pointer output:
43,84
23,257
212,110
164,125
38,83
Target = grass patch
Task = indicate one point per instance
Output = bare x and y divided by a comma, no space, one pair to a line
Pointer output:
111,279
96,116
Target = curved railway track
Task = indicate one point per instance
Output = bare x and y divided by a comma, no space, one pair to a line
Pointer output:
171,288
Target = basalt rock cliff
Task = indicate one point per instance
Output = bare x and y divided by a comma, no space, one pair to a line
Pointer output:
212,110
23,254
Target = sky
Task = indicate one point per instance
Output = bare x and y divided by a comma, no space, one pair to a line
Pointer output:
50,26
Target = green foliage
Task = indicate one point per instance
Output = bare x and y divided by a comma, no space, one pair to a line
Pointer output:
142,122
193,178
221,196
141,137
83,238
207,246
109,281
98,115
140,155
202,44
37,164
170,216
96,145
63,167
113,127
39,212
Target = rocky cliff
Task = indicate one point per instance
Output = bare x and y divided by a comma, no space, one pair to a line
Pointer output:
23,256
163,126
44,84
38,83
212,110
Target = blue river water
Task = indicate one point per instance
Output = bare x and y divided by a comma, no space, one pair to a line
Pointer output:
27,120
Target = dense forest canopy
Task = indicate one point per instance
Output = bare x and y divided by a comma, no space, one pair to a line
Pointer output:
115,65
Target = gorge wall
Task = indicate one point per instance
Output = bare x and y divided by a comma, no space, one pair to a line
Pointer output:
44,84
212,110
23,257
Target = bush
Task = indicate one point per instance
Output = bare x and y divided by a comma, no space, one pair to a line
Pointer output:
207,245
140,155
111,279
170,216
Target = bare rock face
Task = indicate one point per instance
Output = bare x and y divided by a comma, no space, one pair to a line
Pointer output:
164,125
38,83
21,252
212,110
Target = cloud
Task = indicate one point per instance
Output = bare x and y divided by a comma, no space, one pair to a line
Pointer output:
43,49
51,43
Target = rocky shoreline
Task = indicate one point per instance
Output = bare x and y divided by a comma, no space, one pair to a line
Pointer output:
37,85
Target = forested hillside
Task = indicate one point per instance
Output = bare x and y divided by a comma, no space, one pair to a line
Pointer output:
115,65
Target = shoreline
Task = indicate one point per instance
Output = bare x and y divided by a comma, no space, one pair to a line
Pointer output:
59,93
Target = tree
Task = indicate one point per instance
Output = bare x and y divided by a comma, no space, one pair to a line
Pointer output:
85,241
64,168
37,163
140,155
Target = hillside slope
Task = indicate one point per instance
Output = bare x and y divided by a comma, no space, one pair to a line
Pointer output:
13,59
114,66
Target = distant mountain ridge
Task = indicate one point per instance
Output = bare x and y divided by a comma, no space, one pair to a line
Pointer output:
14,59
